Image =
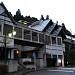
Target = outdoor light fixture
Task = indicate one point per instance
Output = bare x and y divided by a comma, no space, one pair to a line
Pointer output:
12,34
17,52
5,42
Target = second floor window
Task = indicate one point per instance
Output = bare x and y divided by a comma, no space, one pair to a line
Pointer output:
34,36
47,39
7,29
18,32
53,40
27,34
59,41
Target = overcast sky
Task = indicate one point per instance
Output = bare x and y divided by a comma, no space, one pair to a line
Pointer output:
62,11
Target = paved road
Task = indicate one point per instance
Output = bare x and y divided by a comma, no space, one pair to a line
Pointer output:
60,71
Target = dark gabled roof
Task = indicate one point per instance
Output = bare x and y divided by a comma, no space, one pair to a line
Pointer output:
52,28
48,27
57,31
62,34
9,15
49,24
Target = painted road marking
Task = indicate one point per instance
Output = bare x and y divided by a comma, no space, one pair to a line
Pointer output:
60,70
68,68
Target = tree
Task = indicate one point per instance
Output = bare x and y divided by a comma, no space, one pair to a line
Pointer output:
18,12
47,17
67,32
70,57
18,16
30,19
10,13
63,26
42,18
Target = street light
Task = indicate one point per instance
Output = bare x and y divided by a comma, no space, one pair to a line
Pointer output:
12,34
5,41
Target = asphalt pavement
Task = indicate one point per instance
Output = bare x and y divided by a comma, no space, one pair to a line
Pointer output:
45,71
54,71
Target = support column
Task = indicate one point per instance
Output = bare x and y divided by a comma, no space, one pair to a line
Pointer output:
57,61
31,35
44,60
22,33
38,37
42,57
63,60
2,28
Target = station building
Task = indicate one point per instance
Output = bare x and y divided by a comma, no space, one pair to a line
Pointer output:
44,38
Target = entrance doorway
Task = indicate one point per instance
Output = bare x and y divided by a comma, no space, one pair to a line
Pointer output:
49,62
54,62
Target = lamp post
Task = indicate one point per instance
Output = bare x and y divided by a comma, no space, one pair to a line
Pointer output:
5,42
5,46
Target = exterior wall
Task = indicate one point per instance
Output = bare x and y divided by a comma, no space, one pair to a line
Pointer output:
41,61
12,65
56,50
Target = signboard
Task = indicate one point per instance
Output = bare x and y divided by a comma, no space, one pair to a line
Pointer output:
34,55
